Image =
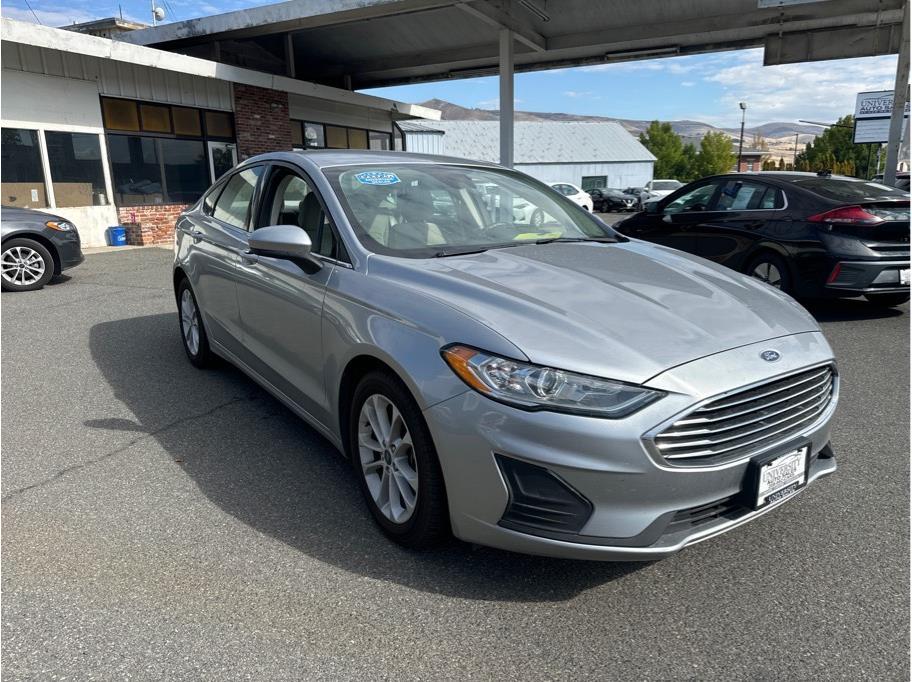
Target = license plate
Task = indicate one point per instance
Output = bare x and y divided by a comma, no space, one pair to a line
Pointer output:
781,477
904,276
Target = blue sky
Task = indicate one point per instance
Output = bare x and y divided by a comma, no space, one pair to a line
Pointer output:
703,87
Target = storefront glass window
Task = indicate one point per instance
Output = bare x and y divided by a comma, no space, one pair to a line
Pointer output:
380,141
76,170
336,138
22,177
147,170
314,136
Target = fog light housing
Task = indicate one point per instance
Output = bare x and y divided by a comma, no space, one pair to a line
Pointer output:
540,500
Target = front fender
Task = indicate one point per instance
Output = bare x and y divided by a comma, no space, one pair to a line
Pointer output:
404,329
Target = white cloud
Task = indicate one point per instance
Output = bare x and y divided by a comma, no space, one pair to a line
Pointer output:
49,16
588,94
687,84
494,103
815,90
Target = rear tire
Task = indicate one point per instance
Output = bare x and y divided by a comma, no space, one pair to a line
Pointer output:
25,265
887,300
398,470
193,333
537,218
772,269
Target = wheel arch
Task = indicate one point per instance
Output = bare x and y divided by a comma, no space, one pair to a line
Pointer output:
768,248
41,239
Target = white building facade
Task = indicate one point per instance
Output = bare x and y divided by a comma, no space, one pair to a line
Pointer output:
587,154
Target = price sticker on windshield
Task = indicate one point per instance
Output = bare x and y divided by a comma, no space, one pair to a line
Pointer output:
377,177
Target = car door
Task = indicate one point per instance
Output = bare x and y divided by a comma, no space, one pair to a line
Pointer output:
218,233
281,301
743,213
673,223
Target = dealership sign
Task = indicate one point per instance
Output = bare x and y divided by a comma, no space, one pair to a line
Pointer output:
872,116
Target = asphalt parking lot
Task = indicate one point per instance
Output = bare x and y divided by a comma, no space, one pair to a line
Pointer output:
162,522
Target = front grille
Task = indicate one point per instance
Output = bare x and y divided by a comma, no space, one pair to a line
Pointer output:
748,421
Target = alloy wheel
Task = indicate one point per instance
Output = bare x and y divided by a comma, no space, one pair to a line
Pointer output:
190,322
387,457
22,266
768,273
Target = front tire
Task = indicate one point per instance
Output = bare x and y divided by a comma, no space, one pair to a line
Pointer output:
537,218
887,300
193,334
396,462
25,265
770,268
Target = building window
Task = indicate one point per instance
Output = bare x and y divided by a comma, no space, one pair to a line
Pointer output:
77,173
314,136
20,169
357,139
594,182
336,137
380,141
168,162
750,165
148,170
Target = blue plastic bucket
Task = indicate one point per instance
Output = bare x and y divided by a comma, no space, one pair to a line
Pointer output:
117,235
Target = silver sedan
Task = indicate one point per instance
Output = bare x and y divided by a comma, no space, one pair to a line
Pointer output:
555,389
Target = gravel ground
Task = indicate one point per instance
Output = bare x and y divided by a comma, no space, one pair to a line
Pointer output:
162,522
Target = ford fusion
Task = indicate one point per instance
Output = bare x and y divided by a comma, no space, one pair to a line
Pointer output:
555,389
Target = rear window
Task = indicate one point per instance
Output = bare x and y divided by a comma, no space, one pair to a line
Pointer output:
666,184
851,190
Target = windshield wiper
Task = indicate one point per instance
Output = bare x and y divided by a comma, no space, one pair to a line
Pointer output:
458,252
561,240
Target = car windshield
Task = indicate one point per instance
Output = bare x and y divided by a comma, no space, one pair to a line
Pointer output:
666,184
426,210
851,190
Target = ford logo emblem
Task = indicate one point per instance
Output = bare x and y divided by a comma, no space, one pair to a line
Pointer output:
770,355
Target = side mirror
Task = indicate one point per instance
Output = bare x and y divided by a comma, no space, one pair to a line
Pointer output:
281,241
651,207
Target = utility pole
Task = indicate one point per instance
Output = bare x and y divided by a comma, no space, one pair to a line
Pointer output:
743,106
795,154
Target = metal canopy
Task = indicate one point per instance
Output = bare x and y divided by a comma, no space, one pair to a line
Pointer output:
368,43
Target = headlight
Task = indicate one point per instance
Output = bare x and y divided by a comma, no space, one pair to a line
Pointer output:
533,387
60,225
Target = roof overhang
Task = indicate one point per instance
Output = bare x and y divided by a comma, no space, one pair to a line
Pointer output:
77,43
369,43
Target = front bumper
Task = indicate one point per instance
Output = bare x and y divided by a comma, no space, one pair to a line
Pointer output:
69,249
640,504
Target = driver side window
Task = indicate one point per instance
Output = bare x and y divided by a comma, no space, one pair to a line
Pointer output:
290,200
695,200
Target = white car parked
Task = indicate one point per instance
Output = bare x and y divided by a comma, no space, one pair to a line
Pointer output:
574,193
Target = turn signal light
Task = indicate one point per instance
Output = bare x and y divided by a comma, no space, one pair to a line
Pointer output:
847,215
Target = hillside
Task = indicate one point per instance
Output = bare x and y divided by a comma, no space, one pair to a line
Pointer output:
778,133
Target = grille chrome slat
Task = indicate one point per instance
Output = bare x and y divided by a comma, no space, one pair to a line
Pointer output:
748,421
771,389
822,394
823,384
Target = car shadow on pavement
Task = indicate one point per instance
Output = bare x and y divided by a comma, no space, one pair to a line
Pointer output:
258,462
848,309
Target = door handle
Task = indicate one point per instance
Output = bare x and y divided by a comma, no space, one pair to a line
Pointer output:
248,257
197,236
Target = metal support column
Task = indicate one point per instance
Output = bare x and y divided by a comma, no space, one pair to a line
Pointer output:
900,97
506,98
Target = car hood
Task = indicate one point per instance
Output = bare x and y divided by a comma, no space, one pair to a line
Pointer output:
628,311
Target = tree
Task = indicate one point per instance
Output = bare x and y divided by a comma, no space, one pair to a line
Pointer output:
687,165
716,155
666,146
834,150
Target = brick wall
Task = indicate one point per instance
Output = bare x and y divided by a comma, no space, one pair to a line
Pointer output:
150,224
261,120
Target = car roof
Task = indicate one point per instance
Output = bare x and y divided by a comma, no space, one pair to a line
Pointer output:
327,158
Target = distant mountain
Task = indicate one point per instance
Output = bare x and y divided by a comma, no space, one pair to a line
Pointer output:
692,131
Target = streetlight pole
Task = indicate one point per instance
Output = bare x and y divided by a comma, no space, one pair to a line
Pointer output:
743,106
795,154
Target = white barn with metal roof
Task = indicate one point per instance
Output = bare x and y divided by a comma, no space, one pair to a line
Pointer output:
588,154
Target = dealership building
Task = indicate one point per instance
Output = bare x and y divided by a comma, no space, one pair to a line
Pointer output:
107,133
588,154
